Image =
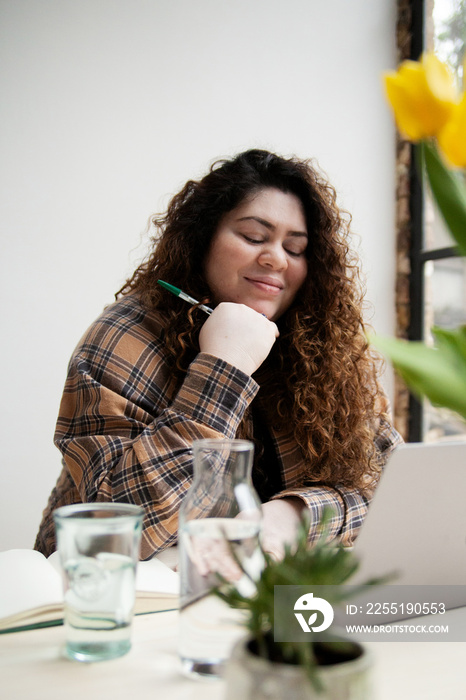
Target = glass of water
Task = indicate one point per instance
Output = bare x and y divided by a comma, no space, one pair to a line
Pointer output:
98,546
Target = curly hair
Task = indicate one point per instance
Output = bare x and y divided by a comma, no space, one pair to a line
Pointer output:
321,375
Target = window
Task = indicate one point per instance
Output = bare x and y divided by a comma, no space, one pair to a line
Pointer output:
438,275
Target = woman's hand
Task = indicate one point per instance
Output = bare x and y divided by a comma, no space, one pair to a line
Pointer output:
239,335
280,522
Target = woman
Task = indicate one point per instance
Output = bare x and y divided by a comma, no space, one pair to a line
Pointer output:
283,360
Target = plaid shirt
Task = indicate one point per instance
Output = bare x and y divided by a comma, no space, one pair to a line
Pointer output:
125,430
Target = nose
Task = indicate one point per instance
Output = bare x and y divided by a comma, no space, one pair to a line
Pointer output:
274,257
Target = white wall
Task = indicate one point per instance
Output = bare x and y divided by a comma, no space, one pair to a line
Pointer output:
107,108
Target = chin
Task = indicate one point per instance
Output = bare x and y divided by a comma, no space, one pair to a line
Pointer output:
263,309
261,306
271,314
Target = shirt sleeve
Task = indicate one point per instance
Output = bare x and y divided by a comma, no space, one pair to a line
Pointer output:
118,447
348,507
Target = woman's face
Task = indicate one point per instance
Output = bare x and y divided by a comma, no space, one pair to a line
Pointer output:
258,253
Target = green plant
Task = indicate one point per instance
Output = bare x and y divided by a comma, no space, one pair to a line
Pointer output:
324,564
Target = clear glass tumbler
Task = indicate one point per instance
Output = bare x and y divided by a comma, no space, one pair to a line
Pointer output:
219,529
98,545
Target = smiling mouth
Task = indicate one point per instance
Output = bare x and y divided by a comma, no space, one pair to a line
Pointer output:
272,288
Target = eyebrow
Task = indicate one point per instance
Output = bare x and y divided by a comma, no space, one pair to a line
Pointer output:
270,226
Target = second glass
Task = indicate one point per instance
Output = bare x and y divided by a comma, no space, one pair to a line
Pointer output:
98,544
219,529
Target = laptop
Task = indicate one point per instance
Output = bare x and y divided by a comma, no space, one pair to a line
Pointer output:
416,523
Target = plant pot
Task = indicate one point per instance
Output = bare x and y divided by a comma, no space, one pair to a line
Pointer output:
250,677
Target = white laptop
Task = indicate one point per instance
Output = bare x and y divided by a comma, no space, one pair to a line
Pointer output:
416,524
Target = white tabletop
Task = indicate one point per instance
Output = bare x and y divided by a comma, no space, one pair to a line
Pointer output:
32,667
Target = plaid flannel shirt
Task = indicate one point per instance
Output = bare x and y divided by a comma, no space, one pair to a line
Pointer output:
125,430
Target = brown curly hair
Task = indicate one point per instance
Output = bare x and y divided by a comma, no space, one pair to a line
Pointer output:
324,374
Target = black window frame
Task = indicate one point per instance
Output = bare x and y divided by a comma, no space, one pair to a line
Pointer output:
419,255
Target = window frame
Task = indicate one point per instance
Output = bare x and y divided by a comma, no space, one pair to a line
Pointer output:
418,254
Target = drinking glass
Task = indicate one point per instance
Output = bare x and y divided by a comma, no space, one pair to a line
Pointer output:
98,546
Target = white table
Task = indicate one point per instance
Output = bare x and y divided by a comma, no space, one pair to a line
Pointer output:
32,667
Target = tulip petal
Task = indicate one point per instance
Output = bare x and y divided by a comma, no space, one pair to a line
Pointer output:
406,94
452,138
440,79
422,96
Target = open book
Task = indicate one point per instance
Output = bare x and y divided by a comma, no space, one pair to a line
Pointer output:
31,589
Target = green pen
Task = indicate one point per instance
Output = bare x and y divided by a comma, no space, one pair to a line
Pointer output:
178,293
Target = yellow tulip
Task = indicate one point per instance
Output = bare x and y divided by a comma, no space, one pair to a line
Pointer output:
452,138
423,95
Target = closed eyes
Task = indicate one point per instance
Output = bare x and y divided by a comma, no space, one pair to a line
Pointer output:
258,241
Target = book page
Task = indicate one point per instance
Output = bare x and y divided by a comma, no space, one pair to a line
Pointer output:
31,590
154,576
27,581
157,587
